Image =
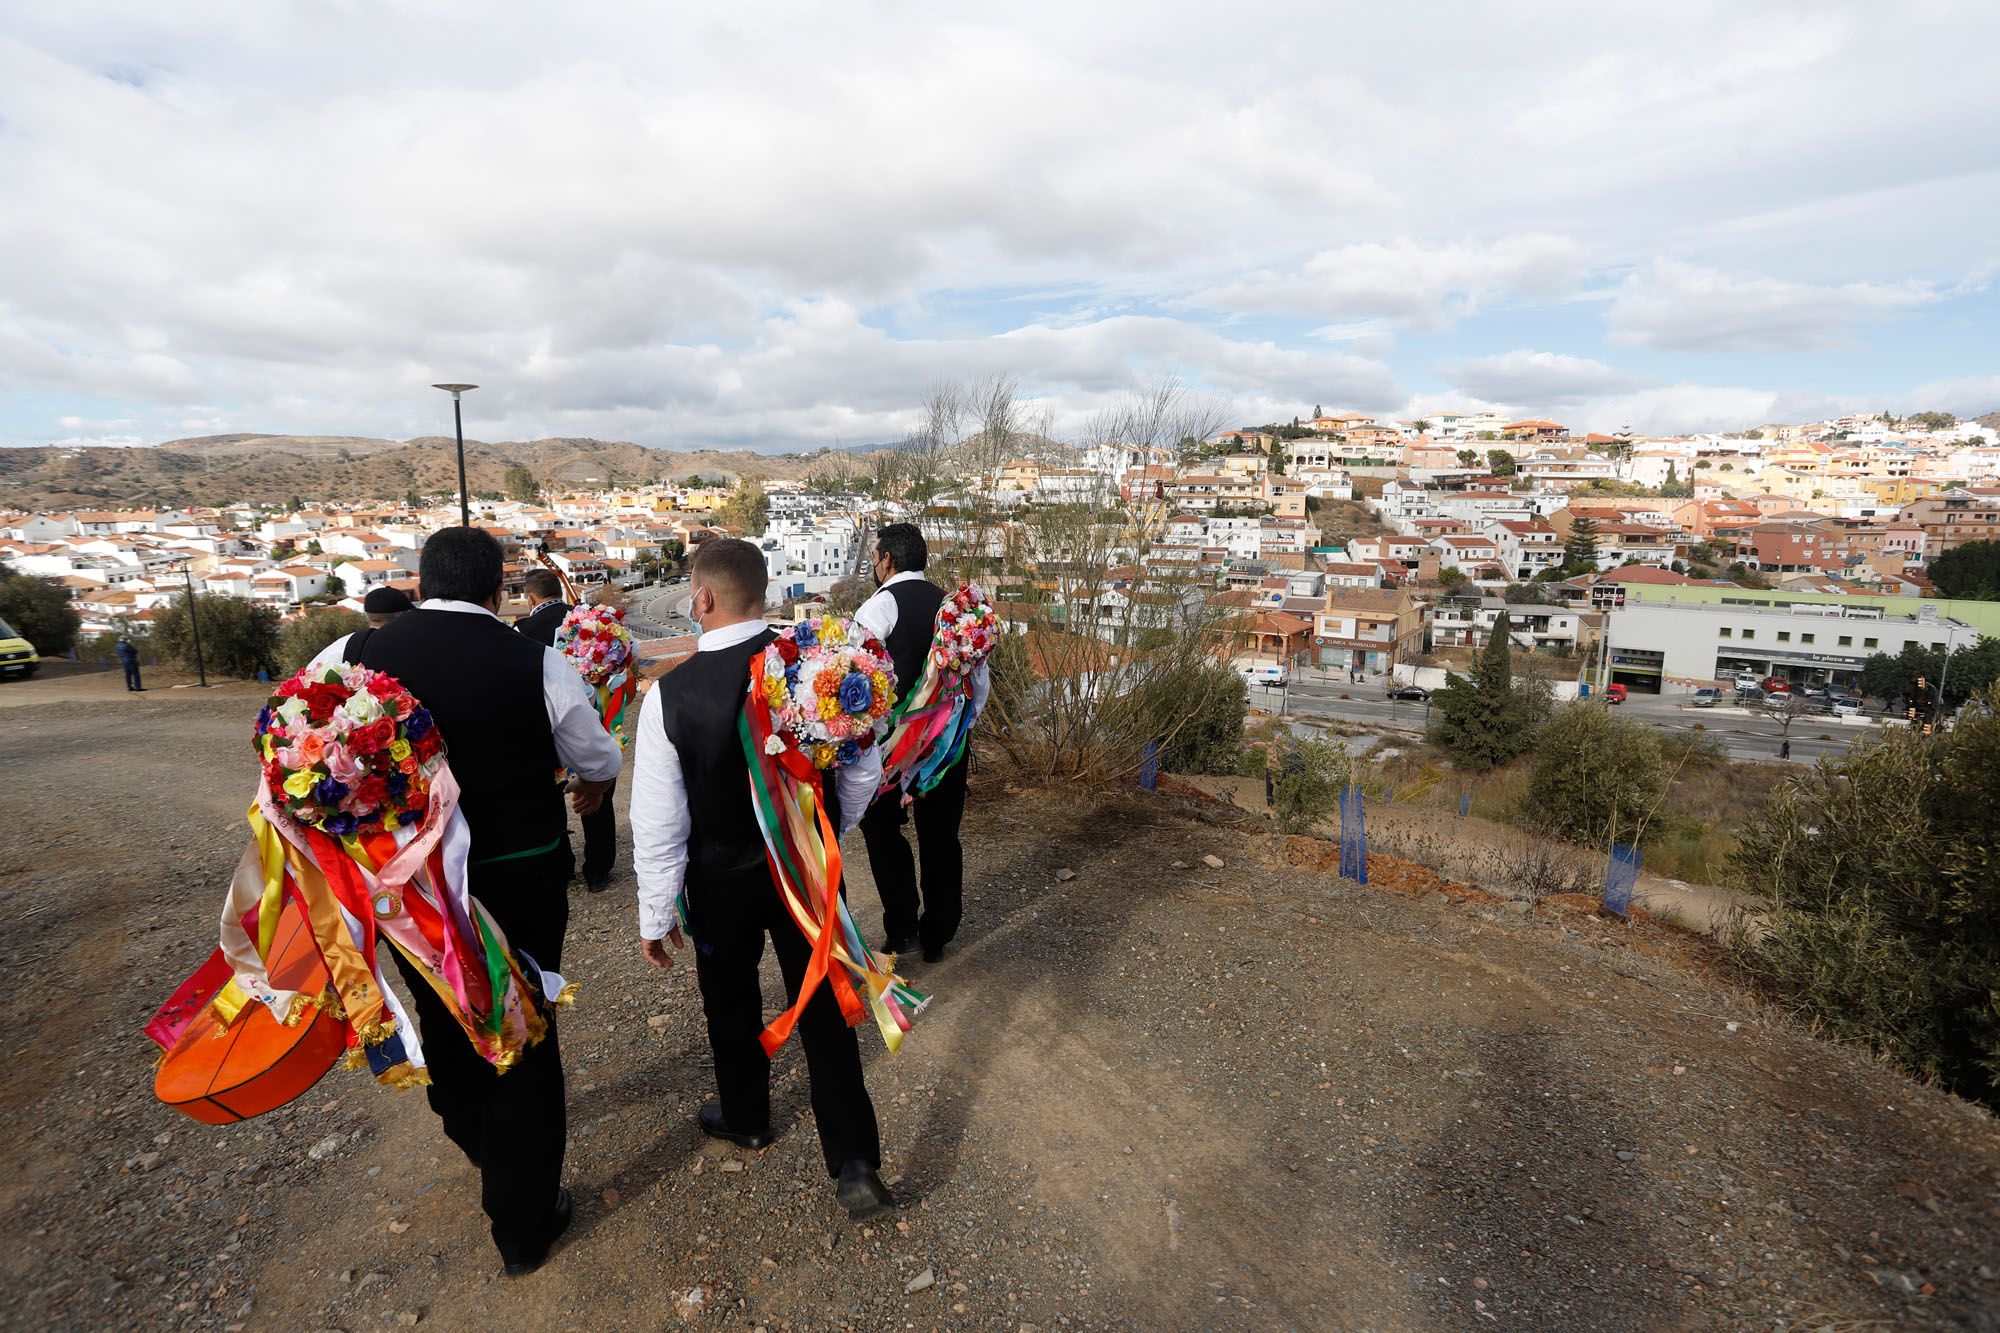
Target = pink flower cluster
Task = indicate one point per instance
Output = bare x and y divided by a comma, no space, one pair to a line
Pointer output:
346,750
967,629
830,688
596,642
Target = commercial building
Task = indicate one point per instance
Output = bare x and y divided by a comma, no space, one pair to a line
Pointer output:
1676,647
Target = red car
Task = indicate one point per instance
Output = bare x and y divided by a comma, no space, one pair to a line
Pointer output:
1777,685
1614,694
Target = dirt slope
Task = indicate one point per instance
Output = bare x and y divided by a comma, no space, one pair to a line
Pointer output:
1153,1095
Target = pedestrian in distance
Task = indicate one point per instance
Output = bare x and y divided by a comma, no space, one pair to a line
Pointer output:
128,657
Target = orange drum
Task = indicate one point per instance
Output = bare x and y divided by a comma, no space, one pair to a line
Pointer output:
221,1074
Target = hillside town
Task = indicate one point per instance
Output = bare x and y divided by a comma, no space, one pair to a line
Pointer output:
1339,541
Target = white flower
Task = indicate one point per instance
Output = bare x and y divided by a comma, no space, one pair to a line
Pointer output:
774,745
292,709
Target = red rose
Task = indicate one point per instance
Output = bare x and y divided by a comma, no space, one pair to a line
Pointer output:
374,789
384,687
788,650
322,699
375,736
874,646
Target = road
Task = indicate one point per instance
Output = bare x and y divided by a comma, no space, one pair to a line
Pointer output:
661,613
1743,734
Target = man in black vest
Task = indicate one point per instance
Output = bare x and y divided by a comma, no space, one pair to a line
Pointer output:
546,608
903,615
693,825
600,826
511,713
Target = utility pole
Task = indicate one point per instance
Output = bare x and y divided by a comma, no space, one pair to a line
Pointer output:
194,624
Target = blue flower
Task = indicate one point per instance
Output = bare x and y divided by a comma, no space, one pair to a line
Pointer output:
399,782
329,791
805,634
856,692
792,674
341,824
847,753
417,723
264,720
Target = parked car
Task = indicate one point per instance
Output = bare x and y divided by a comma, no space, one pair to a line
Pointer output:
1706,697
1777,685
1614,693
1813,690
17,655
1745,679
1845,706
1413,693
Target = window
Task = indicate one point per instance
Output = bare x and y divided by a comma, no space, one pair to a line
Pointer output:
1847,640
1868,643
1937,647
1726,631
1749,633
1784,636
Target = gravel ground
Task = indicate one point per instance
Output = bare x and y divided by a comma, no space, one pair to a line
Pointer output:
1153,1092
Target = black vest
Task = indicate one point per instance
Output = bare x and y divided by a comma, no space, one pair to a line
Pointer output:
482,683
542,623
700,701
917,603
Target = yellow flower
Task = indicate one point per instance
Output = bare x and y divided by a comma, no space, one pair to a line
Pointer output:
833,632
301,783
399,749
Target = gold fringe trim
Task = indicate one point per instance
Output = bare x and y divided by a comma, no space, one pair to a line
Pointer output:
567,996
404,1076
377,1032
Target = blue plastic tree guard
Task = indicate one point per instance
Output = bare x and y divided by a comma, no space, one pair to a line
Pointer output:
1149,768
1353,836
1621,876
1464,804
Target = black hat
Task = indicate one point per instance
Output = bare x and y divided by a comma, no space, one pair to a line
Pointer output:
387,602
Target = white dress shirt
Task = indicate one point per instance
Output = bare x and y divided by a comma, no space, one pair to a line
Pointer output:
582,744
659,815
878,615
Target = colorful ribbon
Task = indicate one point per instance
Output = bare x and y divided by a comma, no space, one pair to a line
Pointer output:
929,730
408,887
802,849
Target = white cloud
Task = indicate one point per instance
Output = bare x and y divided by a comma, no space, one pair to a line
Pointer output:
1537,377
1412,285
1679,306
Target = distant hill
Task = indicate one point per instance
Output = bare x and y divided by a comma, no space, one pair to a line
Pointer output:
216,469
1991,419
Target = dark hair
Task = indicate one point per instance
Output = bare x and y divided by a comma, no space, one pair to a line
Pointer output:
387,601
460,565
904,546
734,570
543,583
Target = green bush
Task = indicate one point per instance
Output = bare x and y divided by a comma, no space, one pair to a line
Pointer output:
1881,875
301,638
1483,719
38,611
1310,777
237,635
1595,778
1200,712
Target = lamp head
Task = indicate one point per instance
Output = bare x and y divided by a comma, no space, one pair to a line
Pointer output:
455,389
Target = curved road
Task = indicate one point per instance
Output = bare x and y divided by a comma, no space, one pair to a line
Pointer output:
662,613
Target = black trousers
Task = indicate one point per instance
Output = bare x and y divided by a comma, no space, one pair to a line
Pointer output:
731,913
132,676
512,1126
936,814
600,837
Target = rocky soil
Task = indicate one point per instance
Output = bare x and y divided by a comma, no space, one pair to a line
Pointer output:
1154,1091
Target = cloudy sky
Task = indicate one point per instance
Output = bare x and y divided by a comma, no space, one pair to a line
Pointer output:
775,225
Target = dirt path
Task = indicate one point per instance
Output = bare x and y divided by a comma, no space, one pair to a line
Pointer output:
1156,1094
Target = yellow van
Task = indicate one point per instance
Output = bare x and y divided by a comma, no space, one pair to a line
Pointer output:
17,655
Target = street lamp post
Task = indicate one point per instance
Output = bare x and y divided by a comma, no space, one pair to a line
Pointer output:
194,624
458,421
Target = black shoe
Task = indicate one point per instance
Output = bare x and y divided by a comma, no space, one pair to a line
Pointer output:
557,1225
900,944
862,1193
933,952
597,882
713,1125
